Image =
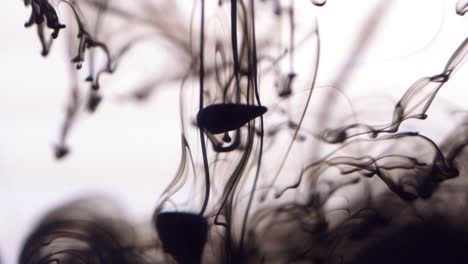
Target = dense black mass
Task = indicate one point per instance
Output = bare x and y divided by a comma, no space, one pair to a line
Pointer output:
183,235
428,242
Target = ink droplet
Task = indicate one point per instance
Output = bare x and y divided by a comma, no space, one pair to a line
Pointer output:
94,100
221,118
226,137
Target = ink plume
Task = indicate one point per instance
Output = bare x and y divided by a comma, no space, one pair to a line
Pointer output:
310,131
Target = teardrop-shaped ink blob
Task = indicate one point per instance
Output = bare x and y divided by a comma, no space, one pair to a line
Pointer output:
220,118
183,235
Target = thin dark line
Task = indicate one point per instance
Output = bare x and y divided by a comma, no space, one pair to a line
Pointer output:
260,154
202,135
235,56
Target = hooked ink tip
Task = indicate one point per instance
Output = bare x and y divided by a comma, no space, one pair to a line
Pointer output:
61,151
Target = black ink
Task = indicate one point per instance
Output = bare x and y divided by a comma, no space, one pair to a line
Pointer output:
183,235
221,118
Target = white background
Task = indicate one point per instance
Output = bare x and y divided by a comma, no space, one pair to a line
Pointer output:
130,152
